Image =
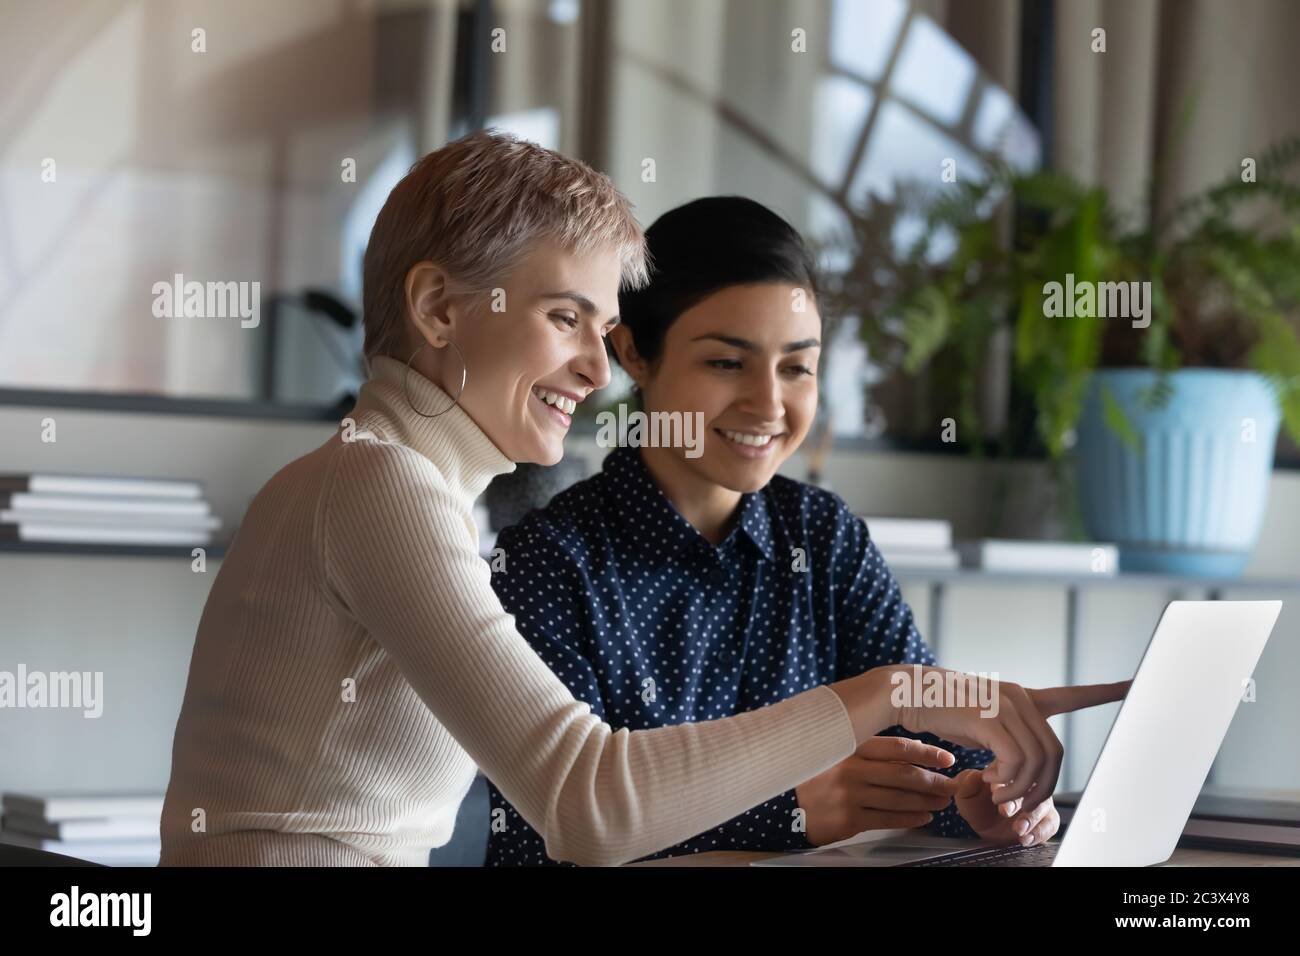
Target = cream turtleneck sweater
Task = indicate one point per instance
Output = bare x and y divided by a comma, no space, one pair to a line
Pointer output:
353,665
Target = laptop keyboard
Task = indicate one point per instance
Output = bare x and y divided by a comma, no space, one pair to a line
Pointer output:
1040,854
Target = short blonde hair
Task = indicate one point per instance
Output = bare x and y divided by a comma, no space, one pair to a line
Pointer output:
476,207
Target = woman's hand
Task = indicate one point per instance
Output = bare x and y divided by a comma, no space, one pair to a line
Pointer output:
1003,822
975,711
881,786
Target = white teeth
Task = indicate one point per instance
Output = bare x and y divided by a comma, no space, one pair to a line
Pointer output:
564,404
741,438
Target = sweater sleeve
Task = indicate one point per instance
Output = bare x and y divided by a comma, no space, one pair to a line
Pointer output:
399,553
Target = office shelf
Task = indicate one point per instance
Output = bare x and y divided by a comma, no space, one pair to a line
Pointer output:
215,550
1166,582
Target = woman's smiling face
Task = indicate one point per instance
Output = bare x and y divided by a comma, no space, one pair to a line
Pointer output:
534,349
746,358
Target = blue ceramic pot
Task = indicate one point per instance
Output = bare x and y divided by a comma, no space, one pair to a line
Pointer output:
1190,498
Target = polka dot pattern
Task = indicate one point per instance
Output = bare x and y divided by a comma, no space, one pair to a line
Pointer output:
652,625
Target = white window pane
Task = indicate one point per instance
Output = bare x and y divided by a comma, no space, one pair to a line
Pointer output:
1000,128
829,228
564,11
844,367
911,226
540,126
1021,146
839,110
996,110
904,147
934,72
863,33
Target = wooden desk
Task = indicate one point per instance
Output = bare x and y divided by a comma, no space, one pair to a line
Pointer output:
1190,856
1183,856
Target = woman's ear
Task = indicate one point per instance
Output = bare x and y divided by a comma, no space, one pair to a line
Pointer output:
620,336
426,303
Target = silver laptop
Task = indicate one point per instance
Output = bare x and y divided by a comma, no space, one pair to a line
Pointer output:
1152,766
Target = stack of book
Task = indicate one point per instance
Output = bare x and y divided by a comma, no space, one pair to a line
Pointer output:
89,509
112,829
926,544
1041,557
914,543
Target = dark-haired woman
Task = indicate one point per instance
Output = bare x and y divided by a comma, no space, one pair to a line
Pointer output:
679,586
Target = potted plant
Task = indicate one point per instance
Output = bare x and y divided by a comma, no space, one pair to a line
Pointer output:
1169,411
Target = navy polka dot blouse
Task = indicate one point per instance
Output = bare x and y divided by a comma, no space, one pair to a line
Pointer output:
652,625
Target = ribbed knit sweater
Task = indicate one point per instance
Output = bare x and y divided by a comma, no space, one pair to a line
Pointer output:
353,664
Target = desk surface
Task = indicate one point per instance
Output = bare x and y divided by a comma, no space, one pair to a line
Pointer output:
1183,856
1189,856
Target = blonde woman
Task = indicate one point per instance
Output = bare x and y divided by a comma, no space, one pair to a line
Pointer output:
353,664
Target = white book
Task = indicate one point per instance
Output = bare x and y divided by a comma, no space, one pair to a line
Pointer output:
30,504
1040,557
910,533
88,534
62,805
92,519
105,828
921,559
124,485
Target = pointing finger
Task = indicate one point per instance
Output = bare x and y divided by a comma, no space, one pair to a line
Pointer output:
1062,700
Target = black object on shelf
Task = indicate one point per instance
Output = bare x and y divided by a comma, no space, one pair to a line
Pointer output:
319,305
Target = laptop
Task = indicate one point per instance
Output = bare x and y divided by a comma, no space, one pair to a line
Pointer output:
1152,765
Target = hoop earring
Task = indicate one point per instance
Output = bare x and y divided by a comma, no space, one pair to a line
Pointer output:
406,392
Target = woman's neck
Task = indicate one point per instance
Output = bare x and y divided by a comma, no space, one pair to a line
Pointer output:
710,508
